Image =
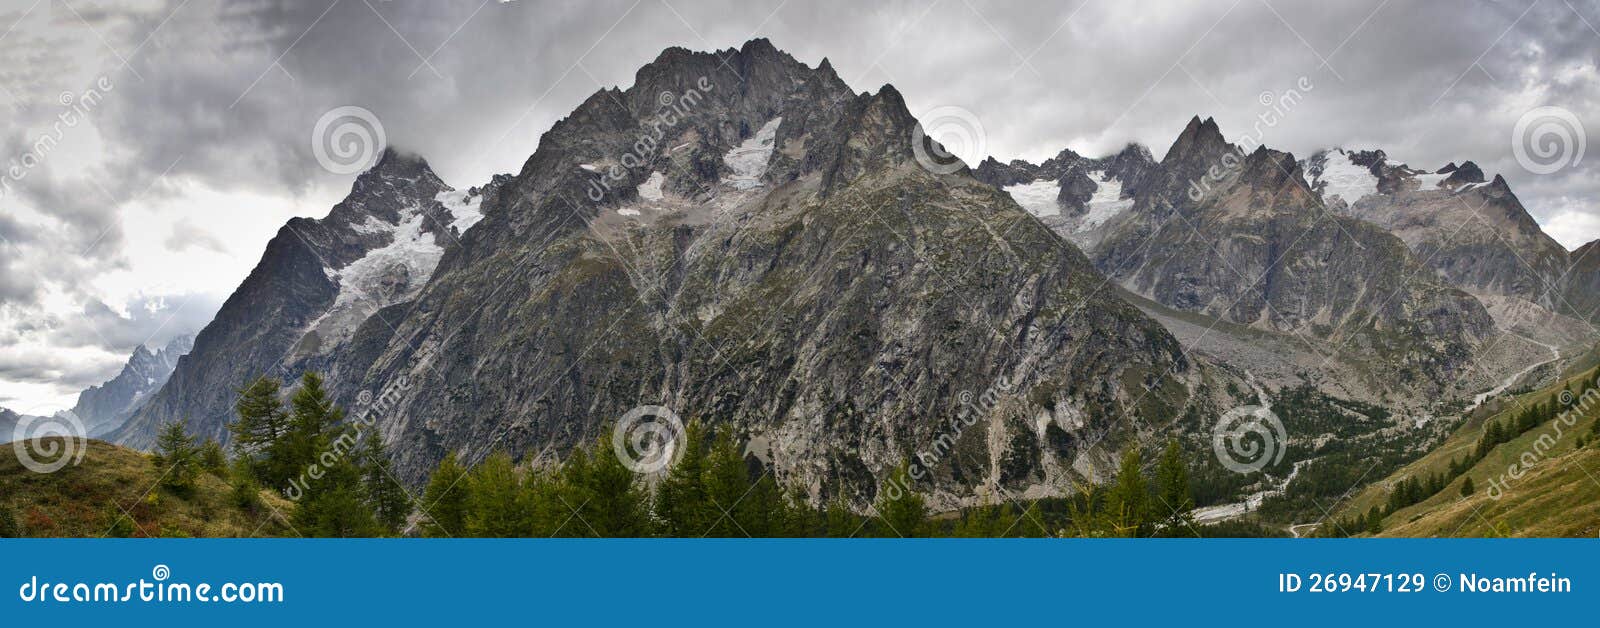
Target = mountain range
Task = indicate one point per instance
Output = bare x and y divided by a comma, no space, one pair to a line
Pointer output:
741,237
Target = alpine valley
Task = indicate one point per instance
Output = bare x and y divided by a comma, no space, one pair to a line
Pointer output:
744,239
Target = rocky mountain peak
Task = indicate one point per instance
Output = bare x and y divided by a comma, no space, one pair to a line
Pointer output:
105,407
1197,148
1466,173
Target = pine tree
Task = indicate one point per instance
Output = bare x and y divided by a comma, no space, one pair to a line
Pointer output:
444,502
978,522
541,499
1172,486
494,499
1374,521
176,459
618,506
1030,524
261,426
336,509
839,521
312,426
212,460
390,502
681,501
333,505
901,509
246,490
726,484
1466,487
1129,499
573,496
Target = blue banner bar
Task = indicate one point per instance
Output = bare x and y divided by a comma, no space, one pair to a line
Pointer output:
817,582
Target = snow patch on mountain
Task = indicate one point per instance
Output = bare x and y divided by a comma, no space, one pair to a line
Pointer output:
1038,197
388,274
1105,204
465,209
749,159
1344,179
1430,181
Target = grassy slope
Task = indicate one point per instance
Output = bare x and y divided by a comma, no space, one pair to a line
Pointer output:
1558,497
88,499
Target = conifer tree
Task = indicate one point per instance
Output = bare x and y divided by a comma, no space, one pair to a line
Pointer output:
1030,524
573,497
212,460
444,501
681,501
618,506
541,498
260,428
246,489
494,499
333,505
390,502
839,521
1129,499
177,459
1172,486
901,509
726,482
1466,487
1374,521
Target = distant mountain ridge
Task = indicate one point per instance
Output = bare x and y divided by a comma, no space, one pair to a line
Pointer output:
105,407
317,281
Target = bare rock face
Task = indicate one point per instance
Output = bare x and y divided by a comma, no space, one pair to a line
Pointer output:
317,281
742,239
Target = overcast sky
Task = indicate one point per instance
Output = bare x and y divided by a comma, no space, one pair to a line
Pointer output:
189,141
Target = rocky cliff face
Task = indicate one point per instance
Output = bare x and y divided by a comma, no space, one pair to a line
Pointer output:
318,280
753,245
1244,240
106,407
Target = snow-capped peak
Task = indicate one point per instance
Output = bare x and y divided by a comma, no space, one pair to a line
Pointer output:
1342,178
